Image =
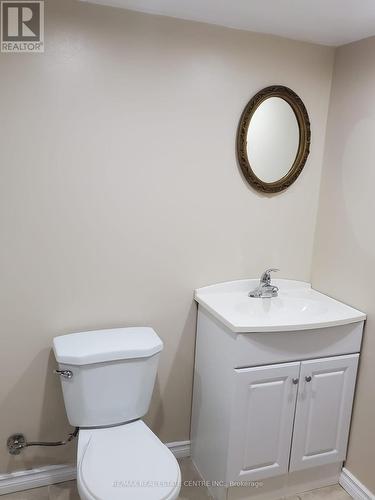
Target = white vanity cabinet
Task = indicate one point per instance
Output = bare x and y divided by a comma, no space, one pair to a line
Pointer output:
261,424
323,411
272,409
290,416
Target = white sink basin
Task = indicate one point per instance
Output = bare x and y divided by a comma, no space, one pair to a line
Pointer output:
297,307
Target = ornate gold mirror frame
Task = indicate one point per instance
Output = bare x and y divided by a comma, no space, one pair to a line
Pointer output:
304,138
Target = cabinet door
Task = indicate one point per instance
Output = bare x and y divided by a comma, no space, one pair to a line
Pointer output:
262,421
324,407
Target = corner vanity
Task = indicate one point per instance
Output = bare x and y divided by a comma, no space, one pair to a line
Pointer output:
273,389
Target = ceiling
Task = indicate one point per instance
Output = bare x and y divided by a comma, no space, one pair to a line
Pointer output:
328,22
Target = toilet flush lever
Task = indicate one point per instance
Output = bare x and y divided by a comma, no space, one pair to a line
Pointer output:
64,373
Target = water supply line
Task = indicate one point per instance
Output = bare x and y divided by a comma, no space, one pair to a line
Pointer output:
17,442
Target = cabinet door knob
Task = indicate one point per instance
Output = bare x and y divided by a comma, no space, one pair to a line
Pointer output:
295,381
308,378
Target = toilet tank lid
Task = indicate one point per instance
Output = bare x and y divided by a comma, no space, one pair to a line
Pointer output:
98,346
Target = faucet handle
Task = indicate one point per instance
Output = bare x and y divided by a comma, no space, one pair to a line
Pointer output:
266,276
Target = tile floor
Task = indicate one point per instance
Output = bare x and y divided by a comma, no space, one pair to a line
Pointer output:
68,490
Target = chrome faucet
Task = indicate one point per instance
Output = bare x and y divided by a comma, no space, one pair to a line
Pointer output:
265,289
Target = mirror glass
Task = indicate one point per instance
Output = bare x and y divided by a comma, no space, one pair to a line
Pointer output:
273,139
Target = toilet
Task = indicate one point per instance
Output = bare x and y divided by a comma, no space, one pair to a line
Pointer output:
107,378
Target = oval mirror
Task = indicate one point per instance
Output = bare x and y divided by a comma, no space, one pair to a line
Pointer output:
273,140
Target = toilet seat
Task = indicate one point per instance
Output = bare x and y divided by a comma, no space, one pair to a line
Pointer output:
126,462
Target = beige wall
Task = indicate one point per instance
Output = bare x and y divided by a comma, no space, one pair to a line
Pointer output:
120,194
344,256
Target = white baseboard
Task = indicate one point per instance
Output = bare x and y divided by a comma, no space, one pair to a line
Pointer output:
180,449
35,478
53,474
354,487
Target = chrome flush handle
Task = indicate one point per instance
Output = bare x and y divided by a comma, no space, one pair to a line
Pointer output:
64,373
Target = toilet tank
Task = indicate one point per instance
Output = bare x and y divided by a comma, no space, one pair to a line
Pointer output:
107,376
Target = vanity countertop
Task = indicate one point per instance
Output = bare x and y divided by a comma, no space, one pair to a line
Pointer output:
297,307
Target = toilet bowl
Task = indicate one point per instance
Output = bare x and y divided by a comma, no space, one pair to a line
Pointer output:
107,378
126,462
